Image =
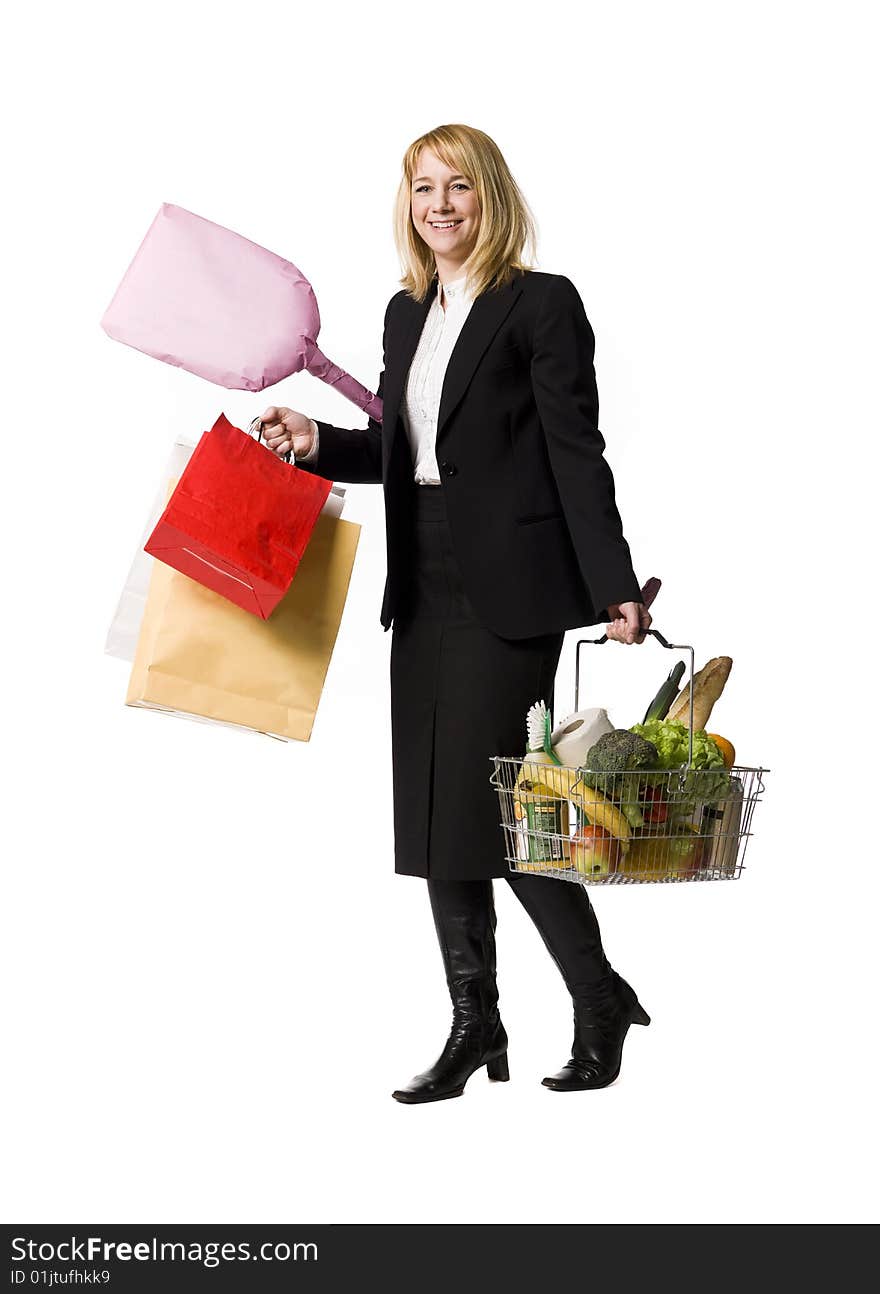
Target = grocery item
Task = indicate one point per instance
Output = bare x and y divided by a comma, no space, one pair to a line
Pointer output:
655,805
541,761
537,793
572,738
708,685
670,739
706,782
610,765
659,707
601,811
537,722
594,851
728,754
721,827
676,853
547,824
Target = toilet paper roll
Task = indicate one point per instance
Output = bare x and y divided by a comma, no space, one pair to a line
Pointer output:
576,734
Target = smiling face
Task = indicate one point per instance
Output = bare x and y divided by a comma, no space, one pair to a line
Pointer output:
445,213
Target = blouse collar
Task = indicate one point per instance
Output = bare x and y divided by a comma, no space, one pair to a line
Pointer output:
455,289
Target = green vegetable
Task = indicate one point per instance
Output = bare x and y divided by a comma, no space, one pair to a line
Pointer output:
659,707
670,739
609,763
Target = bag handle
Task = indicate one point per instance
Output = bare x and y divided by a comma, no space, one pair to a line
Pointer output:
672,647
257,426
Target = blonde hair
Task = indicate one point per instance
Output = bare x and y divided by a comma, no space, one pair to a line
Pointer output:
506,222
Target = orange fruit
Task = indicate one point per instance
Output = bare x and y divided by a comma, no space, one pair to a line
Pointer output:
728,754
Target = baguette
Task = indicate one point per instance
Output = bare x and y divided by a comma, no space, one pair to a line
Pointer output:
708,685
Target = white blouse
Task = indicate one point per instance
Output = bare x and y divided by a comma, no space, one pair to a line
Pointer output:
420,405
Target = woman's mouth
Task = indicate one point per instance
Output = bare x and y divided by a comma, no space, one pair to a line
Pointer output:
442,225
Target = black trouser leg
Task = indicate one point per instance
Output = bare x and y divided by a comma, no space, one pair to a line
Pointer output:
465,921
564,917
604,1004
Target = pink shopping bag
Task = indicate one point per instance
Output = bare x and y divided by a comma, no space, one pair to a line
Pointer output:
205,299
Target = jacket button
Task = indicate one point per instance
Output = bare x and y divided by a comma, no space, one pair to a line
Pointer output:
448,469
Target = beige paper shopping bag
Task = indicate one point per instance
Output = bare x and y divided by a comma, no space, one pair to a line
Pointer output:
202,656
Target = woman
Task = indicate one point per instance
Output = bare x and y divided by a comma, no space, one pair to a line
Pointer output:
502,532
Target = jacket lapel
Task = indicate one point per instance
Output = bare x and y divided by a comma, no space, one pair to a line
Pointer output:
484,318
402,347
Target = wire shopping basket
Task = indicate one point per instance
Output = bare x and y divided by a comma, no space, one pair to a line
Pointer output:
645,825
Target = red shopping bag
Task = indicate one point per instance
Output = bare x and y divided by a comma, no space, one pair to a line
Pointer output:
239,519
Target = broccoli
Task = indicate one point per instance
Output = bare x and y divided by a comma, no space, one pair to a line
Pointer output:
608,763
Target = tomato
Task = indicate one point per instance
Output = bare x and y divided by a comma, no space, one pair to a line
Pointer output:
655,807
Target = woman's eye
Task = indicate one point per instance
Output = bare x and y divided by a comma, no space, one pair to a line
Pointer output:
458,185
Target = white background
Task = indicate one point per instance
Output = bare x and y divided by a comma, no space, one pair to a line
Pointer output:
213,978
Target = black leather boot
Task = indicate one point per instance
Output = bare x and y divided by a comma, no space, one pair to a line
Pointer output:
464,917
604,1004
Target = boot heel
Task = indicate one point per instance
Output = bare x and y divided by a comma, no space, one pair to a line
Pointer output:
640,1015
498,1070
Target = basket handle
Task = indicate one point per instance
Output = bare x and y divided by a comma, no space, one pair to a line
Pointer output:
672,647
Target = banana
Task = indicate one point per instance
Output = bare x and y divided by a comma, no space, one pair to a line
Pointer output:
602,813
556,777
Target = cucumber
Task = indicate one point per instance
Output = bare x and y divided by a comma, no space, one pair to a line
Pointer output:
659,707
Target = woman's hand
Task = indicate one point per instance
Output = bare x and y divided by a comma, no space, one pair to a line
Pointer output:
629,620
284,429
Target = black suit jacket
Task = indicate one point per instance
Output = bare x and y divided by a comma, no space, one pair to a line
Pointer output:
528,493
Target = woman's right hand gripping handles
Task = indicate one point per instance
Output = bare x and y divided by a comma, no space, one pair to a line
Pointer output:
285,429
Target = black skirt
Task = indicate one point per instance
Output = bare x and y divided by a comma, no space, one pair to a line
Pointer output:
459,695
